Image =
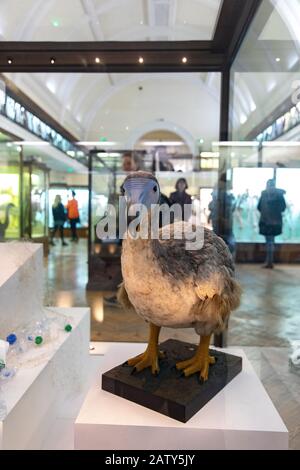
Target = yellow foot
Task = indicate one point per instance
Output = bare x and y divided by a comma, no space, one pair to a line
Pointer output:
198,363
147,359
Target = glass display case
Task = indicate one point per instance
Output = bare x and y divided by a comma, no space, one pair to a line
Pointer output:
10,190
106,178
38,199
247,185
246,168
23,196
35,187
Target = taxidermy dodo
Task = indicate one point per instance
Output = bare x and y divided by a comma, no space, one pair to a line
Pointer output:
169,285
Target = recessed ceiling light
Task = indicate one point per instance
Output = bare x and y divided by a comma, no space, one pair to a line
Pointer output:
278,59
184,60
52,61
141,22
97,60
55,23
141,60
127,128
9,61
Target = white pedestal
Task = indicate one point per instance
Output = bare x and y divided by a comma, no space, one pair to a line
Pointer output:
241,416
34,397
21,285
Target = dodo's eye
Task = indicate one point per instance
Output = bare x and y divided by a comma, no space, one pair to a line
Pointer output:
155,189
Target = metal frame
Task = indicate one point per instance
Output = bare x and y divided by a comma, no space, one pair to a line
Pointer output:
217,55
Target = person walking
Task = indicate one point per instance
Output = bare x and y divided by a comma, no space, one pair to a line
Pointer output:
73,216
59,217
271,206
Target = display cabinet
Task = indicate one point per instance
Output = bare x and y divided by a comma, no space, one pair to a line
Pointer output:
248,166
10,192
35,187
24,188
106,176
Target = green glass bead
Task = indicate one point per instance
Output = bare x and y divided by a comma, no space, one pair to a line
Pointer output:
2,364
68,328
38,340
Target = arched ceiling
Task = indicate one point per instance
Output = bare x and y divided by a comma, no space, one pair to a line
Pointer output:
120,106
109,20
112,104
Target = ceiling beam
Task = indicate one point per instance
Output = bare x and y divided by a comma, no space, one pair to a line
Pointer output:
235,17
159,56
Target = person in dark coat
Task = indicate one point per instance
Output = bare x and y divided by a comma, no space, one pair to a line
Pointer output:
221,210
59,216
181,197
271,207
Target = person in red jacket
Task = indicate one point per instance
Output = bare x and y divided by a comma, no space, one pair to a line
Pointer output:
73,216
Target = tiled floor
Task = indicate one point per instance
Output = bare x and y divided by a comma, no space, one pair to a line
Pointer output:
266,321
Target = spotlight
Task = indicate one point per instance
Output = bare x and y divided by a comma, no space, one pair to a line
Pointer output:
52,61
184,60
97,60
278,59
9,61
141,60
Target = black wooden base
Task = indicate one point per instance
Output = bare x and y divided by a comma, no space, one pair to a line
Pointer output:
170,393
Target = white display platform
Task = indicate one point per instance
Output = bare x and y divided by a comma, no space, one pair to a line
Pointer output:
21,285
34,397
241,416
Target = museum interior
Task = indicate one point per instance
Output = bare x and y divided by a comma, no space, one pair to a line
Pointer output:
204,96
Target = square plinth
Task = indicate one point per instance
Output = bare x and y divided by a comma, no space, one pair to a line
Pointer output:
170,392
240,416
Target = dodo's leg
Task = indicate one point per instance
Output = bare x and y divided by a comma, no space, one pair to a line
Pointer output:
150,357
200,362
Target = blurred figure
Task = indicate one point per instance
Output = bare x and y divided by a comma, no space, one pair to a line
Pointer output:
73,216
271,207
59,217
181,197
221,209
128,162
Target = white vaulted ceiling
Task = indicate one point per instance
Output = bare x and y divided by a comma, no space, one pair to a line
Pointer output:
113,106
108,20
121,107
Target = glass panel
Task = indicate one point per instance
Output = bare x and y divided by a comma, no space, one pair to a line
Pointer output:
265,109
288,180
103,192
38,203
26,196
107,20
9,192
247,185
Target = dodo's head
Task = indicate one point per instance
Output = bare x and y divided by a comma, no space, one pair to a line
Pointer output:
141,187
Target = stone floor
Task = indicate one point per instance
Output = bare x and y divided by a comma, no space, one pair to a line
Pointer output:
267,320
268,316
